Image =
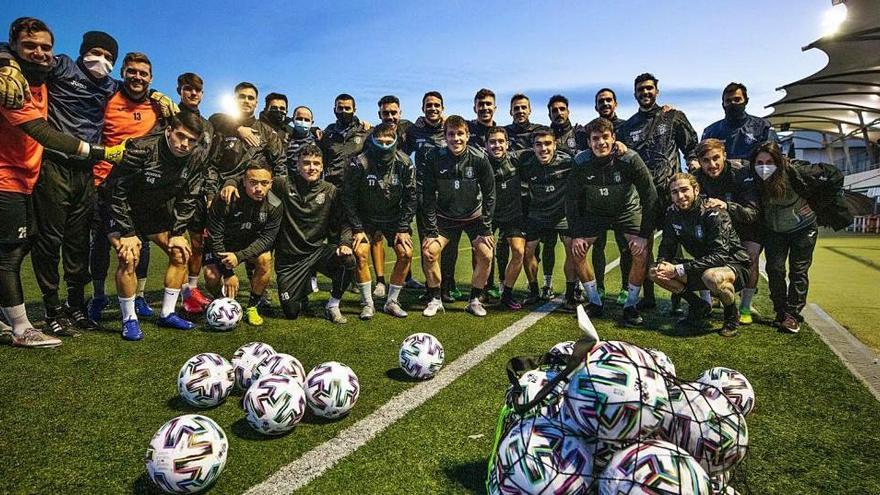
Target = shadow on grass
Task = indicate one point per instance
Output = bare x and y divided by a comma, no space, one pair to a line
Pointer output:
311,418
242,429
177,403
399,375
144,486
471,476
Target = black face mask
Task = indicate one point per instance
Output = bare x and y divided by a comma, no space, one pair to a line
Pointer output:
735,111
35,74
276,117
383,153
344,118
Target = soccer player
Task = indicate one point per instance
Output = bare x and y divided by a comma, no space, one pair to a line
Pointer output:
606,106
730,185
606,191
274,114
739,131
508,217
156,200
343,139
32,43
390,113
719,264
129,114
313,237
304,132
243,231
569,138
658,136
546,173
379,195
458,196
520,131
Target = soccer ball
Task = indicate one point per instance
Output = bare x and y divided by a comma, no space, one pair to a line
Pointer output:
708,425
664,364
223,314
617,396
245,359
274,404
421,355
332,389
280,364
538,456
205,380
652,467
187,454
563,350
733,384
531,383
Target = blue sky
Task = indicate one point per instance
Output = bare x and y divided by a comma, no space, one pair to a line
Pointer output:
312,51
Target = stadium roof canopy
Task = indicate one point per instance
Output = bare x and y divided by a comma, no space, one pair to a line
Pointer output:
842,99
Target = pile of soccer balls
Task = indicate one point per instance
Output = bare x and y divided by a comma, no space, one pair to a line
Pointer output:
622,423
188,453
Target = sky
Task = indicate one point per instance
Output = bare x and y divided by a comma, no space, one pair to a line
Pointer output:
312,51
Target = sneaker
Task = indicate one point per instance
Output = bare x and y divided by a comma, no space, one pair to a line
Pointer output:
456,294
413,284
367,313
621,297
393,308
80,320
95,308
131,330
192,306
569,306
493,292
510,303
335,315
60,326
594,310
380,291
174,321
141,308
34,339
433,306
675,307
533,298
697,313
252,316
646,304
547,293
446,296
315,287
631,317
579,294
728,329
745,316
790,324
475,307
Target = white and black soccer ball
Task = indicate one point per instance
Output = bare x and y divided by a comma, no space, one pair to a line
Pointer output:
421,355
651,467
280,364
205,380
223,314
274,404
531,382
732,384
187,454
332,389
662,361
245,359
563,350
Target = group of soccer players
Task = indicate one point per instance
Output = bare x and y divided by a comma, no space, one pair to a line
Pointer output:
89,163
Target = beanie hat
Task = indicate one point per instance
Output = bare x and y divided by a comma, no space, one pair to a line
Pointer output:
99,39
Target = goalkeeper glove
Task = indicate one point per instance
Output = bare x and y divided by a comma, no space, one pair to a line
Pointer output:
14,88
166,107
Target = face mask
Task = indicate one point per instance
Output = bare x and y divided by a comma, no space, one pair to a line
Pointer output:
302,127
344,117
276,117
765,171
384,151
98,66
735,110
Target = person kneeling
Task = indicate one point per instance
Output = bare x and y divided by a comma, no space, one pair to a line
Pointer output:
244,231
720,264
156,199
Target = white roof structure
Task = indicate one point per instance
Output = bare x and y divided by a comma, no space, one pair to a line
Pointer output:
842,99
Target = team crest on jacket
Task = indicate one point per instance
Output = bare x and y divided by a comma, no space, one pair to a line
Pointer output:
395,180
698,232
320,198
469,172
661,129
357,140
617,176
262,217
572,143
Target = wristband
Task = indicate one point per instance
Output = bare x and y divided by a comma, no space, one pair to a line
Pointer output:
679,270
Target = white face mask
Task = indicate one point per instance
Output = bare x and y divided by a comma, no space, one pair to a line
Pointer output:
765,171
98,66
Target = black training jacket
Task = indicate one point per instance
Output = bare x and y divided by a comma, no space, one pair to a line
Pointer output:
246,227
339,145
457,188
520,136
377,191
508,189
657,137
707,234
737,186
546,185
233,155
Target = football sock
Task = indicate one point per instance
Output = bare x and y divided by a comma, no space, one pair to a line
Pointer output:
380,279
434,292
333,302
98,288
254,299
141,285
569,290
548,280
632,295
366,293
507,292
192,282
533,287
746,298
592,292
475,293
17,317
126,305
169,301
393,292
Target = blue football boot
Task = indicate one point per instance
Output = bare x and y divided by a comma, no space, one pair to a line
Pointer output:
174,321
131,330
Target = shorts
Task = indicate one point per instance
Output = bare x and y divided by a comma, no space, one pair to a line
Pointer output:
451,229
388,230
19,222
627,223
154,220
695,277
507,230
537,230
199,220
210,258
294,273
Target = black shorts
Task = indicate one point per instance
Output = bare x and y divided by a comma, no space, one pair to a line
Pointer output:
209,258
17,210
293,273
628,223
153,220
750,233
536,229
451,229
507,230
199,220
695,277
388,230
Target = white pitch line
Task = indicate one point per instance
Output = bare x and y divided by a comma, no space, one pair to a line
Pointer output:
315,462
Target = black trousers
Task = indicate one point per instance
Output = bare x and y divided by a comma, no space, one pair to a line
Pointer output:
599,258
796,247
63,202
293,273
